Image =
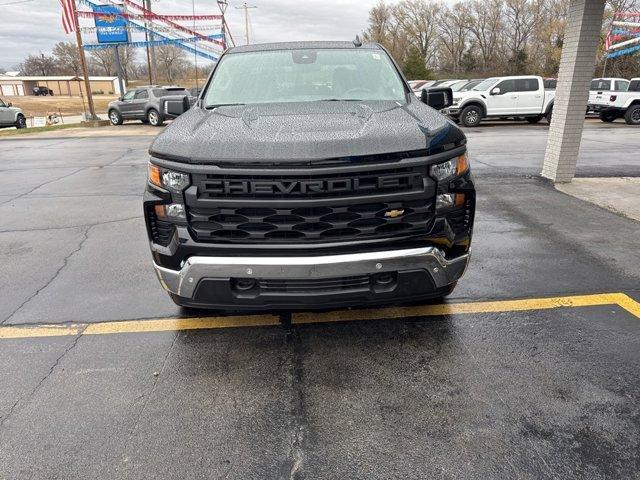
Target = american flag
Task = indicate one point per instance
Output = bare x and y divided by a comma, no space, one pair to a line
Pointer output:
68,21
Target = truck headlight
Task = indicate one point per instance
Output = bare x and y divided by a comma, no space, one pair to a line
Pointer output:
170,179
450,169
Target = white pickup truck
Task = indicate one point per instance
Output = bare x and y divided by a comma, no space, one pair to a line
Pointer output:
601,86
613,105
523,96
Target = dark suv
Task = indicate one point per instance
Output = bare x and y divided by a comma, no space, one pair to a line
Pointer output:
147,104
308,175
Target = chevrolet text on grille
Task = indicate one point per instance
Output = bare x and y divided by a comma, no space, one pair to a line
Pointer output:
299,187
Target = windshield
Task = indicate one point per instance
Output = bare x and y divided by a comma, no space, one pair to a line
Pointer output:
304,76
2,104
485,84
456,87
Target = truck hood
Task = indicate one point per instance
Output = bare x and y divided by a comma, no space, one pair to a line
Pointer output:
303,131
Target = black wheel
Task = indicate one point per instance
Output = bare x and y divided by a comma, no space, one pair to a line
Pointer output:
549,115
534,119
608,117
471,116
115,117
632,117
21,122
154,118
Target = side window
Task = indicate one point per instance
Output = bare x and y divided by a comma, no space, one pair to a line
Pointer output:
634,86
2,104
506,86
129,95
141,95
621,86
527,85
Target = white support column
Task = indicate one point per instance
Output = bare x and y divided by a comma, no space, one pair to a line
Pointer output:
577,64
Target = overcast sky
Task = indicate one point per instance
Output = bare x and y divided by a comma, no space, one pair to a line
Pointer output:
33,26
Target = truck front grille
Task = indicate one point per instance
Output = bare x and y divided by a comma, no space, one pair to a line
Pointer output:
310,205
313,224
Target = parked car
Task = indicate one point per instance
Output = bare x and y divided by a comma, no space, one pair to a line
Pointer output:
147,104
11,116
521,96
613,105
272,194
417,88
466,85
41,91
601,85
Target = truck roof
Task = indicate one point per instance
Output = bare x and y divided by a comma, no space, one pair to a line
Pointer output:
311,45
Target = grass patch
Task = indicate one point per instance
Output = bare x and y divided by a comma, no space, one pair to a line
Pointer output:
28,131
33,106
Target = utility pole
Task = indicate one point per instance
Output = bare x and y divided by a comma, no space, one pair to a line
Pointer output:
151,54
222,5
83,64
246,8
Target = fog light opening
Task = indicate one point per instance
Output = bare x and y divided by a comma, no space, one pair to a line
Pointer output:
245,284
384,279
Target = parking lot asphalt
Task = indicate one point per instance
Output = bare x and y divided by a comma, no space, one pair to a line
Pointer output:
500,383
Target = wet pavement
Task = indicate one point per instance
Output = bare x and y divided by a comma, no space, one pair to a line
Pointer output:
506,390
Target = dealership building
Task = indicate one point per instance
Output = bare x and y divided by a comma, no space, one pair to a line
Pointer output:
60,85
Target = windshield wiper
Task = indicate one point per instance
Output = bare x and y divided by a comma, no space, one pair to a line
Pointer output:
211,107
340,100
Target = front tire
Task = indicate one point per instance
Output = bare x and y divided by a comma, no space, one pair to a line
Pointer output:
21,122
115,117
632,116
549,115
154,117
608,117
471,116
533,120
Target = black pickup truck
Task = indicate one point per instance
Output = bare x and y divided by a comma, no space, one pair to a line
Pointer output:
308,175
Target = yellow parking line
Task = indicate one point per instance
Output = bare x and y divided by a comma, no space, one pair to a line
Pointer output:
471,307
206,323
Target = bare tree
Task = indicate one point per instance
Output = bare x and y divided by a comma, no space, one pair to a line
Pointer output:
103,61
419,20
486,27
454,32
172,61
67,58
39,65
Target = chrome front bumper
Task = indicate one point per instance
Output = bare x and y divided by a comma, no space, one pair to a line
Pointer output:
183,282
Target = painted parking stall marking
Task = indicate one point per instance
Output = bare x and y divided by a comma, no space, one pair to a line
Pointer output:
207,323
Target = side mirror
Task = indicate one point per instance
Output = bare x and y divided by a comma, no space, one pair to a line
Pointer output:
177,107
437,98
9,104
496,91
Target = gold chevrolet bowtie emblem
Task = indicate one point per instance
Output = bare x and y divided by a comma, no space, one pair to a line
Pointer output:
394,213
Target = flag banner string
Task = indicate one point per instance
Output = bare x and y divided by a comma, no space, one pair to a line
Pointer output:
626,14
159,28
628,33
178,41
150,43
167,20
146,16
622,52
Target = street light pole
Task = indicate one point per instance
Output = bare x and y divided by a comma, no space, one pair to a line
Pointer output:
83,64
246,8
